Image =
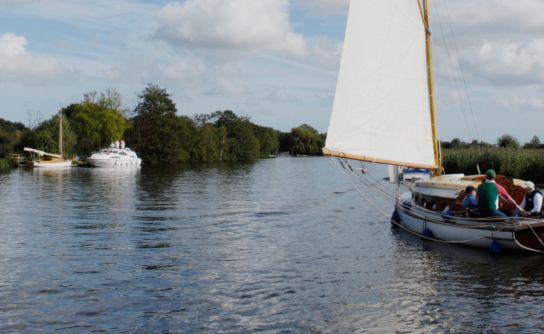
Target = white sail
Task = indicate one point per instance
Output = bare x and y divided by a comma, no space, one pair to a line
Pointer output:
381,110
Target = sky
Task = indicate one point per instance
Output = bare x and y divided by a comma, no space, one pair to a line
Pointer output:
275,61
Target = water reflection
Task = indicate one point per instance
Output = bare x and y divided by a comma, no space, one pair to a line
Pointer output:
435,277
284,245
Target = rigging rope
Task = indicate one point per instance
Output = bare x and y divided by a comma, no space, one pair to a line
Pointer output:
453,75
463,78
461,72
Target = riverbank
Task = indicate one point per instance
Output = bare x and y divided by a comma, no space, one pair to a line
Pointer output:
527,164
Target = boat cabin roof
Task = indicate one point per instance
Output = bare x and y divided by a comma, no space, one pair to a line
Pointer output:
453,185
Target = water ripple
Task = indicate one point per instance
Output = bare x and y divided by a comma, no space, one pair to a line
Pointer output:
284,245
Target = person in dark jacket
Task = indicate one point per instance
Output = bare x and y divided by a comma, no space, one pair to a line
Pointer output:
532,202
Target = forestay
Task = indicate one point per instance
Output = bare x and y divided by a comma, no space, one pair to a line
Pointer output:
381,110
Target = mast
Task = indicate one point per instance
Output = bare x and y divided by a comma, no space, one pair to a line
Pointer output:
60,132
430,82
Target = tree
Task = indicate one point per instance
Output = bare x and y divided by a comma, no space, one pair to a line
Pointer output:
10,136
97,122
268,139
240,143
45,136
157,133
456,143
155,102
534,143
306,141
206,144
508,141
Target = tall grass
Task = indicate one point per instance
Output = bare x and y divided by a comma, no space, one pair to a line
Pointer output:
527,164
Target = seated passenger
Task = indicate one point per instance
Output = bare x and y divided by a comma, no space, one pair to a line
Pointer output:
470,201
532,202
488,196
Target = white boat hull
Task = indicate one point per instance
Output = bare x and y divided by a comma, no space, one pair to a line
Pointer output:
442,230
114,162
436,226
46,164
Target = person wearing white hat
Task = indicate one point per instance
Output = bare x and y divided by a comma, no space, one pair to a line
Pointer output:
532,202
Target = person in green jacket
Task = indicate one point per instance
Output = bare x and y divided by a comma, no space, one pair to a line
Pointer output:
488,196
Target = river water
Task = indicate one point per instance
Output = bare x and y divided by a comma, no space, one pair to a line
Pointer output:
283,245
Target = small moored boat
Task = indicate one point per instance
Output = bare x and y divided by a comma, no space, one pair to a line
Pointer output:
47,160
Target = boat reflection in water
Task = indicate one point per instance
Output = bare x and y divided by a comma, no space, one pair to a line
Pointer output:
447,277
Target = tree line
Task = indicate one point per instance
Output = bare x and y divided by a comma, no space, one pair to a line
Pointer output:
157,133
504,141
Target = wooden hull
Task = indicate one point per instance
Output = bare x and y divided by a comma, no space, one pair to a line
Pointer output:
51,164
509,234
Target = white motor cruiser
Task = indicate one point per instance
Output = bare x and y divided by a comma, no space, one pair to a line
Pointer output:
116,156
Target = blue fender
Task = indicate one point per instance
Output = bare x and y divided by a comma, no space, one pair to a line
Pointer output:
494,247
395,219
427,233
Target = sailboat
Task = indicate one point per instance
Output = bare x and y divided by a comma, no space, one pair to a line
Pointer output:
50,160
384,112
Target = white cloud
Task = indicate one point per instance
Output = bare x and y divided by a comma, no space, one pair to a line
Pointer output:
99,14
510,62
325,52
281,95
226,87
497,17
500,44
530,103
235,24
16,64
182,70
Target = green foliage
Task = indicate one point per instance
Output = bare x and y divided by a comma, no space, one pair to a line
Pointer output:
508,141
206,144
4,164
155,102
7,142
45,137
97,122
10,135
457,143
157,133
268,139
240,143
305,140
534,143
525,164
11,126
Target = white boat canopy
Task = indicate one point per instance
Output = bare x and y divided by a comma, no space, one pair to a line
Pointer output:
42,153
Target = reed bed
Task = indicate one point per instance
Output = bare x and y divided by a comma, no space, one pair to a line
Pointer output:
526,164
